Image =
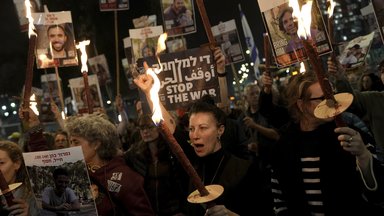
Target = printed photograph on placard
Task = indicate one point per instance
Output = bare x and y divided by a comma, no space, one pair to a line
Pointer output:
227,37
176,45
378,7
55,45
51,93
21,12
354,52
144,41
79,93
145,21
113,5
178,17
60,182
282,28
99,66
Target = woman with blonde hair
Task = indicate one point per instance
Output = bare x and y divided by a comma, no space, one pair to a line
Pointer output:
13,168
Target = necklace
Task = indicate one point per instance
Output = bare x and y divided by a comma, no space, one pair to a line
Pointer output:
217,170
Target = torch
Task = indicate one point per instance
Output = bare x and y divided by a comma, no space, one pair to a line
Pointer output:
333,105
331,7
30,59
203,194
84,71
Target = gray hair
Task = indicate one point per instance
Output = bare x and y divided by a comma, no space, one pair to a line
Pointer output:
96,128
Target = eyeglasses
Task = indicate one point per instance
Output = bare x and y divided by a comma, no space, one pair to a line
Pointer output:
317,98
148,127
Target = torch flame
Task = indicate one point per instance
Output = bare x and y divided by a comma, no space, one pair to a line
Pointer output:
303,17
31,28
33,104
84,56
154,92
331,7
302,67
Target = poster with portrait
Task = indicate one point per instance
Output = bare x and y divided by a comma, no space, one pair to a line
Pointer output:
21,12
55,45
186,77
378,7
79,94
71,175
98,65
176,45
128,63
144,41
282,28
51,92
113,5
178,17
145,21
127,67
227,37
354,52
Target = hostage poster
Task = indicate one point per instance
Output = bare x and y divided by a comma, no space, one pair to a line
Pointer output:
79,93
178,17
55,45
64,171
227,38
186,77
144,41
282,30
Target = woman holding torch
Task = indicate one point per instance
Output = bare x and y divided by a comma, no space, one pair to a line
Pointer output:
215,166
319,168
14,171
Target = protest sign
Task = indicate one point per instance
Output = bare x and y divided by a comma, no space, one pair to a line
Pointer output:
55,46
281,26
68,161
99,67
186,77
227,37
113,5
79,94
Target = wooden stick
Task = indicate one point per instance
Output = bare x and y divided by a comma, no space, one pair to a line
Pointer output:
59,88
321,76
87,92
29,74
117,53
6,191
206,23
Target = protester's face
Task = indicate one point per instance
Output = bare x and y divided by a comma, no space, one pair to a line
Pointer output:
367,83
61,141
204,133
289,24
57,38
148,132
252,96
8,167
178,5
317,96
89,150
61,183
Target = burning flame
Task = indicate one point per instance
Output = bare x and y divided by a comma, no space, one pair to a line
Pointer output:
303,17
84,56
31,28
33,104
302,67
331,7
154,92
63,115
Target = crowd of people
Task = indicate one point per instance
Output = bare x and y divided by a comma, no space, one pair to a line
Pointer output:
271,157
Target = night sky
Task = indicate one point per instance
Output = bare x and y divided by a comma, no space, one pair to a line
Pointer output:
90,23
